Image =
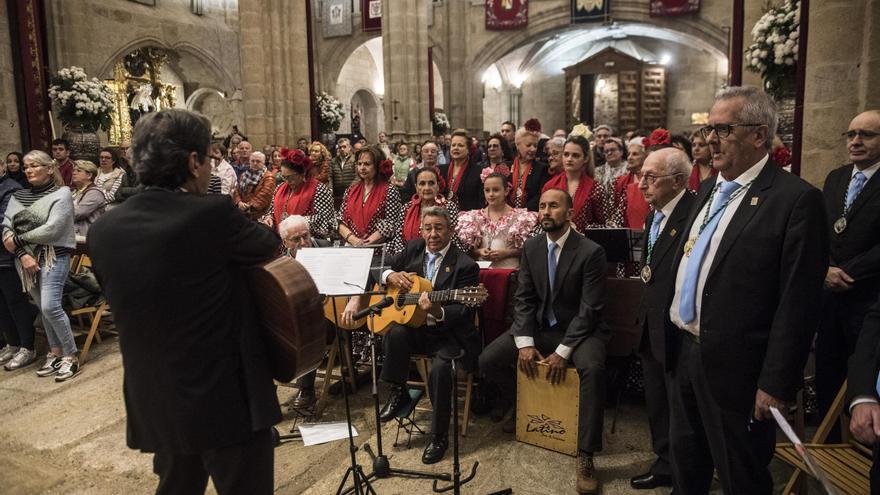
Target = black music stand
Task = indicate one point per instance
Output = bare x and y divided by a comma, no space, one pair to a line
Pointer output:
456,467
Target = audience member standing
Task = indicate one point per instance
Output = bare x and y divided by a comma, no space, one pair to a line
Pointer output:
577,181
852,284
371,212
343,171
748,274
38,228
61,154
527,174
110,174
462,175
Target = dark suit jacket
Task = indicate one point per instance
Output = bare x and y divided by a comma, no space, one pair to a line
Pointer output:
653,312
470,193
196,373
760,300
864,364
857,249
578,295
457,270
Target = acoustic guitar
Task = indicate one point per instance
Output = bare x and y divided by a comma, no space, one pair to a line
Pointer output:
336,316
405,310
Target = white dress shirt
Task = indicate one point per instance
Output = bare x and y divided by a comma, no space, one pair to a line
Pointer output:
744,178
667,210
564,351
431,321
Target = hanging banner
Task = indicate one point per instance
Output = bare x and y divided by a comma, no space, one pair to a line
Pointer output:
336,18
371,13
502,15
669,8
33,85
590,10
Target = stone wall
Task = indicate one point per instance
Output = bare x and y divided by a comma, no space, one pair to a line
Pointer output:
10,134
359,72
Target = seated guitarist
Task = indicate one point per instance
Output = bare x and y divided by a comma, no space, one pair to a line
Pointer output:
449,328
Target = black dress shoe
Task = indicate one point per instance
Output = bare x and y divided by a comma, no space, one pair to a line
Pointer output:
305,399
398,399
435,450
649,480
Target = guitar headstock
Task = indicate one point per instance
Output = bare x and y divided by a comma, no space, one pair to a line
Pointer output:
472,296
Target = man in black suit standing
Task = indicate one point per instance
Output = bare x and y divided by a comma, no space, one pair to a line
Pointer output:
862,392
749,272
449,328
563,325
198,390
663,181
852,284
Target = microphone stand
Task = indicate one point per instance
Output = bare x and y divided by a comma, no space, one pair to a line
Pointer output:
381,466
456,467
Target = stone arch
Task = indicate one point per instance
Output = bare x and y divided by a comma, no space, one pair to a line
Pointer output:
336,57
372,115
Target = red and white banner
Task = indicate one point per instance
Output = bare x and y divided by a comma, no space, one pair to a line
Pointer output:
668,8
371,13
502,15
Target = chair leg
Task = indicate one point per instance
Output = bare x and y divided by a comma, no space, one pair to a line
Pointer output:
96,321
466,416
328,376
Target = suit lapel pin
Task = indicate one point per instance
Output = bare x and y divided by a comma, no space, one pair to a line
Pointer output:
754,201
672,233
447,269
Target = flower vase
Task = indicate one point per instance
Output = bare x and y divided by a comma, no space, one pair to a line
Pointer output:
84,142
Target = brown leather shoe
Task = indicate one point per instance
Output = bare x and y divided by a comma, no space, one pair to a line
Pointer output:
587,484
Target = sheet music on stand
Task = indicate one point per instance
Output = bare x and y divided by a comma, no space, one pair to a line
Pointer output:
337,271
801,449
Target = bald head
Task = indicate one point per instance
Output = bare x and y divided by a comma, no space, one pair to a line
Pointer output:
664,175
863,139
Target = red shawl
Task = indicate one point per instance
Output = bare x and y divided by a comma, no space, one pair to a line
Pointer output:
359,213
412,220
519,184
636,207
694,180
288,202
581,196
454,185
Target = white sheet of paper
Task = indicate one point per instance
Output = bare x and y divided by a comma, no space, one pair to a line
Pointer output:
337,271
318,433
484,264
805,454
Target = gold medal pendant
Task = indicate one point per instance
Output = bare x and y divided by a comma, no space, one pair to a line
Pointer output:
840,225
645,274
689,246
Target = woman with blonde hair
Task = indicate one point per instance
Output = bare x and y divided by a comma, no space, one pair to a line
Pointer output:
38,228
320,156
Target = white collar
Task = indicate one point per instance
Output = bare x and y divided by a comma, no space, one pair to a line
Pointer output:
442,252
747,176
669,207
868,172
561,241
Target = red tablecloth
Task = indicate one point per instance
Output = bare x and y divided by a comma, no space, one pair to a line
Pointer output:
493,311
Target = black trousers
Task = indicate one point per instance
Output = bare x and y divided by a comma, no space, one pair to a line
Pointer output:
498,365
875,471
16,313
402,342
657,402
842,319
242,468
704,436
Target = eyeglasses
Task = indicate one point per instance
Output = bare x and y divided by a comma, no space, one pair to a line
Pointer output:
650,179
860,133
723,130
298,239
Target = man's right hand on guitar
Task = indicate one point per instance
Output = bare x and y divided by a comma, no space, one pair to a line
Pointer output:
400,280
528,361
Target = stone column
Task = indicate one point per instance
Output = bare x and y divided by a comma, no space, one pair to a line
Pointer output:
405,55
843,79
10,136
274,71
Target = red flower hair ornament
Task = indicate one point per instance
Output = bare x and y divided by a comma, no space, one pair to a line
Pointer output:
296,158
659,136
386,169
782,156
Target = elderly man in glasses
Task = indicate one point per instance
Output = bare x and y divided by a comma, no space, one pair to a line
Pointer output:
748,271
852,282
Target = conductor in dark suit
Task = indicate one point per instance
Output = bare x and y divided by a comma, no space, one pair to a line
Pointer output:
862,398
852,283
564,325
449,328
198,390
663,181
749,273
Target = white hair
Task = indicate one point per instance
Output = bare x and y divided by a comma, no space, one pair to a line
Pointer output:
758,108
291,222
258,154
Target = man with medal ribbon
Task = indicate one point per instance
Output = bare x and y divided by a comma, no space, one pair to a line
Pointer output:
747,277
663,181
852,283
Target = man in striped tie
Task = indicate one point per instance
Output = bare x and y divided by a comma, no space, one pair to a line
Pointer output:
748,277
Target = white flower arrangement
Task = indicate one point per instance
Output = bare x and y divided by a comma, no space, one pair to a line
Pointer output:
330,111
80,100
439,123
774,49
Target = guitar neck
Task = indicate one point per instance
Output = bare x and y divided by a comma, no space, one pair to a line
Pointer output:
440,296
